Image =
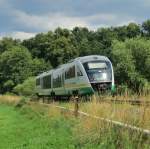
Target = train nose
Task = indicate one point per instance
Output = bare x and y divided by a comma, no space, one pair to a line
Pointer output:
101,87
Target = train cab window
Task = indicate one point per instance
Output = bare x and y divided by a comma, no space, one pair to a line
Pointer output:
98,71
47,82
79,72
70,73
38,82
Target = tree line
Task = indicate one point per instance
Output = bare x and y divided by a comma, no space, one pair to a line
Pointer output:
128,47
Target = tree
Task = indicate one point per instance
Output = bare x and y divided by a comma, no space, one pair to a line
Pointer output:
80,33
123,62
62,52
39,65
59,32
141,54
146,27
81,38
27,88
121,32
7,43
15,66
40,46
130,63
133,30
106,36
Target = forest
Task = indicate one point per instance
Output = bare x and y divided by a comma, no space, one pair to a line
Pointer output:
128,47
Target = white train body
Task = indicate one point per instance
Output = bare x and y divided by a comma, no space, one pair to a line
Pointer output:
82,76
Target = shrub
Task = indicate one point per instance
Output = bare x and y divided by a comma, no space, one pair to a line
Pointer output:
26,88
131,63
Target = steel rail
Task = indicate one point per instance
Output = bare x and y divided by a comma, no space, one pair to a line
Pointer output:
132,102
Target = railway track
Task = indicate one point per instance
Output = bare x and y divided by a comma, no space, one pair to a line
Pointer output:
136,102
132,102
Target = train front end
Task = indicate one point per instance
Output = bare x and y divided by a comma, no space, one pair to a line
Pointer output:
100,74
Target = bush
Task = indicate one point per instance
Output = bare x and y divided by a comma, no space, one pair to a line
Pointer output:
131,63
15,67
123,90
26,88
21,102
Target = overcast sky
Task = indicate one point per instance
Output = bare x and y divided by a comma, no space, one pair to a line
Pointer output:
24,18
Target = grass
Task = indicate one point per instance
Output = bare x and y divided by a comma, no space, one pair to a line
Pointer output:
133,97
9,99
36,126
134,115
97,135
24,129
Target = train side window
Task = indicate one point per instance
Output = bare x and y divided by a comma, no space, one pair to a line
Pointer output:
70,73
47,82
79,72
57,81
38,82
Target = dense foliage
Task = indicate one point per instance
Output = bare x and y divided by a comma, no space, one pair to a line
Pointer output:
127,46
27,88
131,63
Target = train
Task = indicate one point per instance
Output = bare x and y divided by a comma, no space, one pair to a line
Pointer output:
80,76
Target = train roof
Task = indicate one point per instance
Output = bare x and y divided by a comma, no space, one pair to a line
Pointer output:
91,57
85,59
45,73
81,59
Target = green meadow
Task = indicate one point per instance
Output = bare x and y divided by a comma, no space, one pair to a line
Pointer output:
22,129
34,126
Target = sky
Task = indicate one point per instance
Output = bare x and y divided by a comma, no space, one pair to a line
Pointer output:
23,19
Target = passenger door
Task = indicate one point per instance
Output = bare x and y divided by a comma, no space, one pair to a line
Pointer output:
70,79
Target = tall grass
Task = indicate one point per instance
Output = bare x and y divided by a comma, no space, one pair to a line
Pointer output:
89,133
94,134
9,99
130,114
134,115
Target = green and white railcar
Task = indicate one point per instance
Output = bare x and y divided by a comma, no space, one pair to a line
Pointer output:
83,75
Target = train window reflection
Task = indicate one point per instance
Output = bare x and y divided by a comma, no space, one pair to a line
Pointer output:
57,81
38,82
70,73
97,65
47,82
94,65
79,72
